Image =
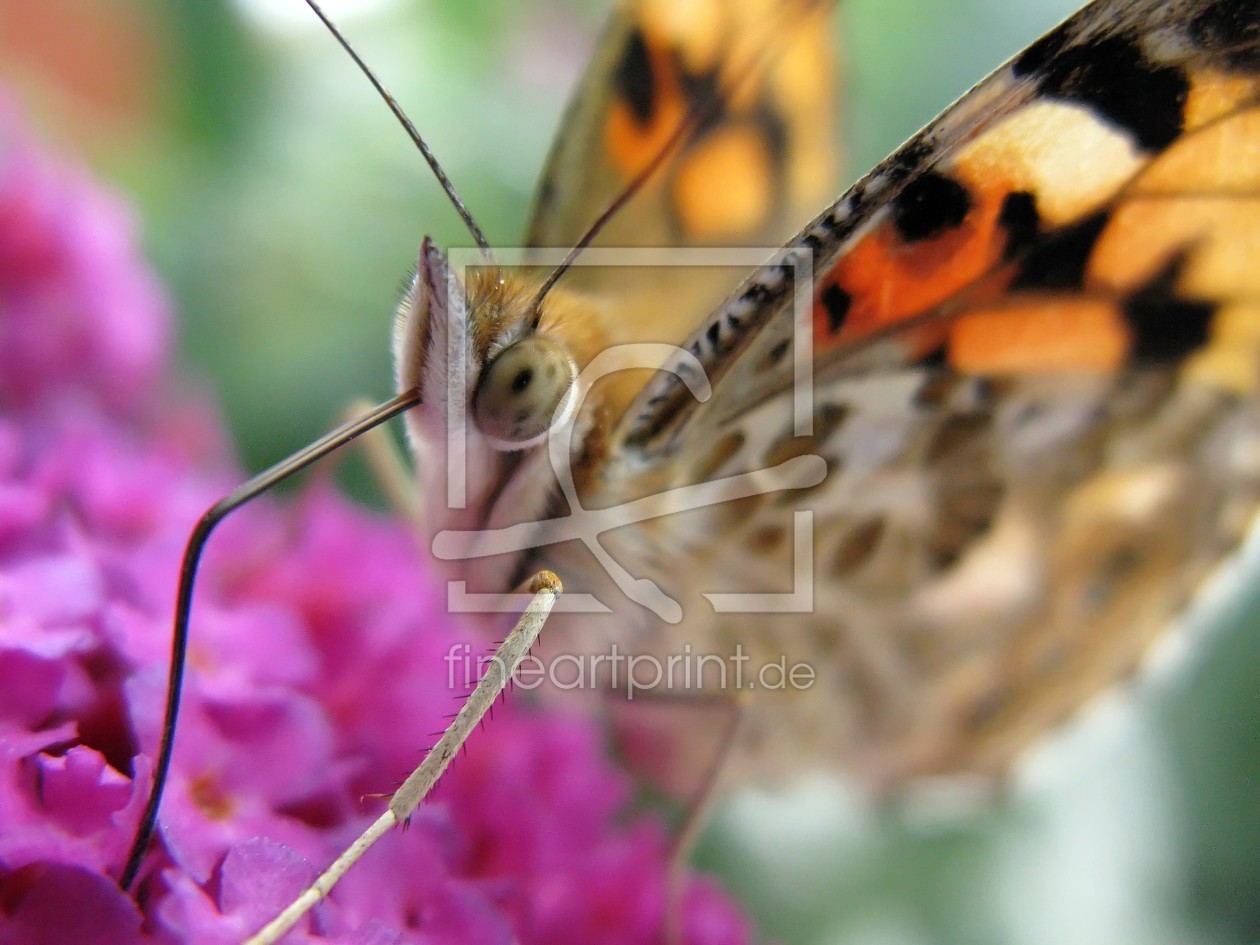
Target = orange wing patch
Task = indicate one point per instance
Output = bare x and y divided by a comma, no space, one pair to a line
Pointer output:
725,184
1036,336
940,238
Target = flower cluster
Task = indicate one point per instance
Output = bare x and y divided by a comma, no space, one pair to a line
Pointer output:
317,666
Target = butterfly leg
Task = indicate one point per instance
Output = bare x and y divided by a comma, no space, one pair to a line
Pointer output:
388,467
546,589
699,810
700,801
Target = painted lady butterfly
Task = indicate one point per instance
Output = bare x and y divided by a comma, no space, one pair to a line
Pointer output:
1033,350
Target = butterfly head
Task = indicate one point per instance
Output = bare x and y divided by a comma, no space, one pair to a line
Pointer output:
498,375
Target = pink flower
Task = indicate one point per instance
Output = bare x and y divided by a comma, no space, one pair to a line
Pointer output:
318,669
79,313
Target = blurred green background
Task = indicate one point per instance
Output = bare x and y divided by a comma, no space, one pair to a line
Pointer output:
282,206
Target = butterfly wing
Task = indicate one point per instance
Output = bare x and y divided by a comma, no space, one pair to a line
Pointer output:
1034,338
754,81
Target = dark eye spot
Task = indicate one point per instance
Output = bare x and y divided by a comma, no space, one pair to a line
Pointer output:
524,377
633,79
928,206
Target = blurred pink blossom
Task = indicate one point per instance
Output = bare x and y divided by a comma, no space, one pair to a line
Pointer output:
317,665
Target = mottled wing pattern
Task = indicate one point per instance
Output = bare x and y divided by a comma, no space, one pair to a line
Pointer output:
755,78
1035,341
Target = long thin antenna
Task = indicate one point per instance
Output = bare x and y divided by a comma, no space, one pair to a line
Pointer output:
478,237
187,578
695,115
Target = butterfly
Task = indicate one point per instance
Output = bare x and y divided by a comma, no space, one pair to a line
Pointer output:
1029,339
1033,349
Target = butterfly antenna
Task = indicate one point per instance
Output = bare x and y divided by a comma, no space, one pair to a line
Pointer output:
696,114
456,201
187,578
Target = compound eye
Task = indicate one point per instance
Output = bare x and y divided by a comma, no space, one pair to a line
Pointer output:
523,392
